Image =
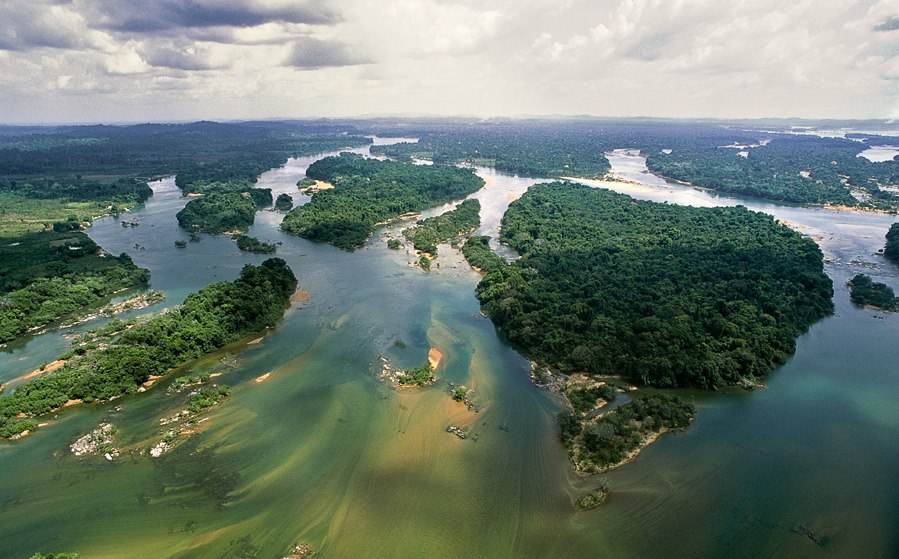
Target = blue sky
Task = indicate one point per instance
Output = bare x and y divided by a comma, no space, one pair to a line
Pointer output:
163,60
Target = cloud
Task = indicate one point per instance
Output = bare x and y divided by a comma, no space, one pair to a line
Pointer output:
311,53
889,24
165,59
189,58
37,25
162,15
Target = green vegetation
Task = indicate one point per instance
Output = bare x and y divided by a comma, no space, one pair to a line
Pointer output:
661,294
55,556
864,292
305,183
252,244
427,233
460,393
394,244
45,277
217,213
284,203
207,397
524,148
203,155
419,376
20,216
891,250
595,497
218,314
424,263
199,378
127,191
367,192
758,163
610,439
583,400
480,256
801,169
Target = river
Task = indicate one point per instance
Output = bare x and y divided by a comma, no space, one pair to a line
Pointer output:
322,453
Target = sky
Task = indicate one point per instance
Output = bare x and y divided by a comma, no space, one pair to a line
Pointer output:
84,61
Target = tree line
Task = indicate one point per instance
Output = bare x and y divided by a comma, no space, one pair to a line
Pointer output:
216,315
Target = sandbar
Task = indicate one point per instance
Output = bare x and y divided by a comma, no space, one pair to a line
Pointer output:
434,357
52,366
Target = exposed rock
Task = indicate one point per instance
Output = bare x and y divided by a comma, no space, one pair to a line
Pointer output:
98,440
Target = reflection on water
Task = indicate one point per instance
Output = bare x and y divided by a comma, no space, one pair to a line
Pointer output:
322,453
878,154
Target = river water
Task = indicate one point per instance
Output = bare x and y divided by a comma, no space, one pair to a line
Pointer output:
323,453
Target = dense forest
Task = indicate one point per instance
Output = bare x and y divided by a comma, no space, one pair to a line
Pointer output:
743,159
48,276
865,292
228,211
367,192
284,202
524,149
891,249
664,295
801,169
127,191
427,233
218,314
199,152
480,256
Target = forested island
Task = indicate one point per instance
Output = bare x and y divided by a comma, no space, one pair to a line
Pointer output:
660,294
891,249
597,443
427,233
284,203
221,212
367,192
252,244
218,314
48,276
867,293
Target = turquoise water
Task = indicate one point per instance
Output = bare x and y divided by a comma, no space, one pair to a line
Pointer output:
322,453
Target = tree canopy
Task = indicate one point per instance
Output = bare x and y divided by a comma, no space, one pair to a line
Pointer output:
428,233
218,314
665,295
367,192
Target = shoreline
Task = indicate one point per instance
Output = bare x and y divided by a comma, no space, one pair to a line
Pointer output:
615,179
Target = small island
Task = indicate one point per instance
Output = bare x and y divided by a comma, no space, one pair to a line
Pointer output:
252,244
283,203
867,293
427,233
419,376
368,192
220,212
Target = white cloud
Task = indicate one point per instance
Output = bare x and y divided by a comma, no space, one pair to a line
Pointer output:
163,59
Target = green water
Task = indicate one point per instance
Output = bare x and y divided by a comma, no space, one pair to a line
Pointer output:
323,453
